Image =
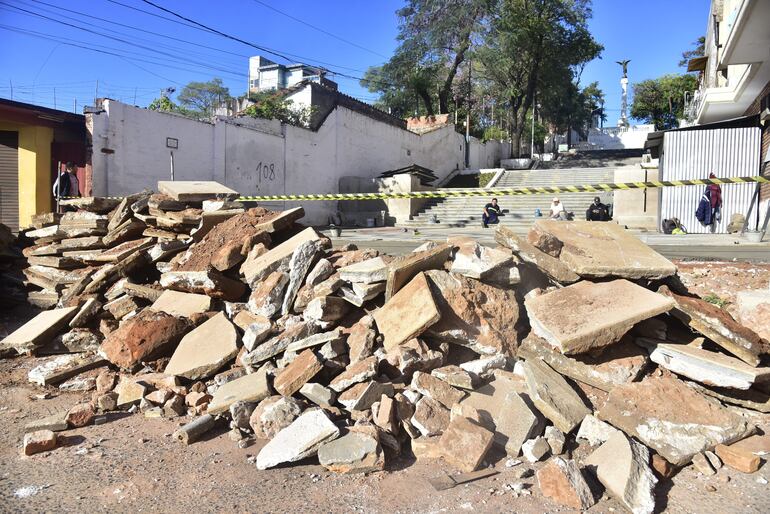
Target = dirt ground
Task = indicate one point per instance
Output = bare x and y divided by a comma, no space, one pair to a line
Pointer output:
131,464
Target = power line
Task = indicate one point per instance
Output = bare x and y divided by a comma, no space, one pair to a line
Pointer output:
258,47
129,43
319,29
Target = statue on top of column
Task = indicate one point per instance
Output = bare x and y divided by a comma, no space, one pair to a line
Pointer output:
625,67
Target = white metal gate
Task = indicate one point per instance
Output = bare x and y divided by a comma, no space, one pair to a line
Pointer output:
693,154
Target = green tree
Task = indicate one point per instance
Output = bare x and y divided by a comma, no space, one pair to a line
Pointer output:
163,104
201,99
535,45
435,37
698,50
272,105
661,101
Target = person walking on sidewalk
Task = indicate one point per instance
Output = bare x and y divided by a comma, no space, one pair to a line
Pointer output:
491,214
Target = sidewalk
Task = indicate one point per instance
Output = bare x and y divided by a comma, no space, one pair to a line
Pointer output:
690,246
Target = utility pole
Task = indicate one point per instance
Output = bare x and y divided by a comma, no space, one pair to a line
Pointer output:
75,105
468,120
54,98
96,94
134,95
11,83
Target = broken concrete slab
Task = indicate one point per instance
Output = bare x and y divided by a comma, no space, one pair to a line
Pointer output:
248,388
753,310
86,313
618,363
190,191
455,376
299,440
295,375
465,444
622,466
318,394
479,262
354,452
39,441
737,458
430,417
211,283
594,430
553,396
404,269
316,340
326,308
266,298
146,336
322,270
254,270
414,355
595,250
279,343
588,315
716,324
676,430
478,316
63,367
706,367
365,272
432,387
554,268
272,415
562,481
534,450
299,265
407,314
361,396
205,350
130,391
181,304
37,331
54,423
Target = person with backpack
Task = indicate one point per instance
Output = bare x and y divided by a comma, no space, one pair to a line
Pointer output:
709,211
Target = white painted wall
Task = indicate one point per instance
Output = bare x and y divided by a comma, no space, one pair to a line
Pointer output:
263,157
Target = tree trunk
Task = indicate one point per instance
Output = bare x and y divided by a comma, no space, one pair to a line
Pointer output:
446,88
426,99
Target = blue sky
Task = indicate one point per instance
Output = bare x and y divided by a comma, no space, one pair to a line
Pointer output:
46,68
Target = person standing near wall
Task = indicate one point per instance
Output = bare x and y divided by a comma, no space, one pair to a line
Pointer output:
709,211
66,184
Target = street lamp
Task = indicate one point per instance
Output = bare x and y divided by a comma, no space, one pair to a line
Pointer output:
532,147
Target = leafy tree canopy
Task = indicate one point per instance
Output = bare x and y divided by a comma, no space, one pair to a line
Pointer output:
201,99
661,101
698,50
272,105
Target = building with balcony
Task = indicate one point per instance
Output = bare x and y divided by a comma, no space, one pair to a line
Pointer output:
265,75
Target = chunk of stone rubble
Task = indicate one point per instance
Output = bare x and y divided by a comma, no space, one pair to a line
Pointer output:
266,298
704,366
702,465
355,373
717,325
361,339
317,340
272,415
465,444
414,355
407,314
277,258
587,315
299,440
361,396
479,262
39,441
63,367
295,375
54,423
430,417
594,250
322,270
621,465
38,331
248,388
355,452
279,343
205,350
551,266
318,394
484,366
617,363
403,269
741,457
209,282
384,415
366,272
146,336
562,481
753,310
87,312
80,415
299,266
455,376
535,449
256,332
556,440
478,316
504,408
130,391
432,387
182,304
553,396
676,430
594,430
326,308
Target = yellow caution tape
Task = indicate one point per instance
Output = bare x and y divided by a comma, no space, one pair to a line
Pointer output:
451,193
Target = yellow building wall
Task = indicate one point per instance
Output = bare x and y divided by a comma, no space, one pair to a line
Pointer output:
35,184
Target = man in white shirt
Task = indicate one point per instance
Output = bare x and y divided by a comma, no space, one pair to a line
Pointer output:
557,210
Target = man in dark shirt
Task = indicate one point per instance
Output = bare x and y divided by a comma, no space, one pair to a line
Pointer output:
491,213
598,211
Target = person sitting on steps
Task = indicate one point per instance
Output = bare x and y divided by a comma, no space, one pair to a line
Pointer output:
491,214
598,211
557,210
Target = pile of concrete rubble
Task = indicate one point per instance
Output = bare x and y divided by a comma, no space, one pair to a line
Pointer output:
576,346
11,261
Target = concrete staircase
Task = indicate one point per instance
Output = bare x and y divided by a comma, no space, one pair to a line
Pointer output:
466,211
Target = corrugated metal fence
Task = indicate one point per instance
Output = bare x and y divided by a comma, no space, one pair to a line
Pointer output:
694,154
